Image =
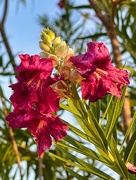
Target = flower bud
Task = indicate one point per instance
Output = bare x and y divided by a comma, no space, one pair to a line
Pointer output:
44,47
47,36
46,39
50,33
57,41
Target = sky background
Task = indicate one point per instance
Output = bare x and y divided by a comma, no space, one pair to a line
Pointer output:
22,25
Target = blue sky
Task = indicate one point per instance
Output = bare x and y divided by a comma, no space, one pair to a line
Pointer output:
22,26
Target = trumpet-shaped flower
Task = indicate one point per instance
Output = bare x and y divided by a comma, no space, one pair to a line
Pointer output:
34,99
33,87
100,76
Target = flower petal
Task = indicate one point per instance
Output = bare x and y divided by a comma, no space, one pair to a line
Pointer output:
33,87
131,168
45,128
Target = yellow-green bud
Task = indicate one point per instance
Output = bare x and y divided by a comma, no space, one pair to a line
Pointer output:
46,38
47,35
50,33
44,47
57,41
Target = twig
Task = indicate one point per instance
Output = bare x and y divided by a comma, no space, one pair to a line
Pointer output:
105,19
4,37
5,12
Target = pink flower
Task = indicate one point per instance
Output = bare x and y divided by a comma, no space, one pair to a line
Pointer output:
45,128
34,101
33,91
100,76
131,168
62,3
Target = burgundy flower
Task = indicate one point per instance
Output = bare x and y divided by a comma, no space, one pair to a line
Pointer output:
33,91
34,101
131,168
45,128
100,76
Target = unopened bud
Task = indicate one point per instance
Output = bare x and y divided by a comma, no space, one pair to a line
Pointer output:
57,41
45,38
44,47
50,33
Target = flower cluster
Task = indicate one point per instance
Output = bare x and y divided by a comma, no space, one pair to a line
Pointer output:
46,79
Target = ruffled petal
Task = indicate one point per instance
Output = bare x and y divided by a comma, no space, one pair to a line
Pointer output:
100,76
45,128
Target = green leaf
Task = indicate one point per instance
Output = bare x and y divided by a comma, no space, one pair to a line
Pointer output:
96,107
90,138
79,147
74,174
84,150
97,131
88,123
118,162
86,166
106,111
82,118
114,113
129,130
130,149
72,108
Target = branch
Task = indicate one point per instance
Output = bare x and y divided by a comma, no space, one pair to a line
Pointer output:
4,37
105,19
5,12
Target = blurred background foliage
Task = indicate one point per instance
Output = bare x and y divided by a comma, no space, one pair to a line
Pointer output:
77,25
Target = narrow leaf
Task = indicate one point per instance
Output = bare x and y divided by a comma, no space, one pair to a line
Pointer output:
114,114
119,164
86,166
130,129
130,149
74,174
